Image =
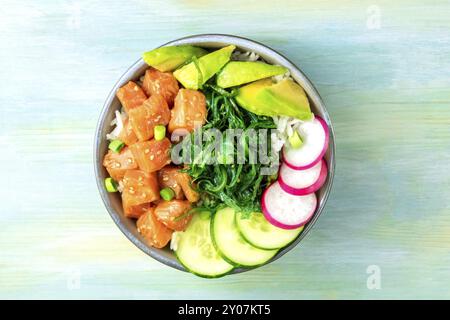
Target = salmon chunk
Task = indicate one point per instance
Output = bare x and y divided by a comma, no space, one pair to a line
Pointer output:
135,212
152,155
131,96
143,119
170,213
155,233
127,134
118,163
139,187
180,182
186,184
167,178
189,111
163,83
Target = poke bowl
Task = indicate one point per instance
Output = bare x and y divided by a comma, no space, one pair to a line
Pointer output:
235,207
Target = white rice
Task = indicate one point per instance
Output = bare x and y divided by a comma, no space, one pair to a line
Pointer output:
285,128
281,77
118,123
245,56
175,240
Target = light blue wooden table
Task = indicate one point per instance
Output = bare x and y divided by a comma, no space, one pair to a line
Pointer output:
383,69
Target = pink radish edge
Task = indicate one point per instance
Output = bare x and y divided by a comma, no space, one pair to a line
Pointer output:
277,223
312,188
325,147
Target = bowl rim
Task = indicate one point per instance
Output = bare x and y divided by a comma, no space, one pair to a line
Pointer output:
259,48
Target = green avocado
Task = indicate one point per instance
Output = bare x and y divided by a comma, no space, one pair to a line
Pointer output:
196,73
285,98
247,97
169,58
238,72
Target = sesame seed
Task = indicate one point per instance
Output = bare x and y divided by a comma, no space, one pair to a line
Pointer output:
147,151
165,178
130,160
152,157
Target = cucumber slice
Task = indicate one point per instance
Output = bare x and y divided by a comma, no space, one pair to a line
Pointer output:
231,245
196,252
262,234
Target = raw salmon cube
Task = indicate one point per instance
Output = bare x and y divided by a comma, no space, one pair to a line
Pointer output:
135,212
163,83
118,163
185,181
167,178
152,155
139,187
127,134
154,111
170,213
154,232
189,111
131,96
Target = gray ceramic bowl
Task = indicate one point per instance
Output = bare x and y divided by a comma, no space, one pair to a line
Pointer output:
112,200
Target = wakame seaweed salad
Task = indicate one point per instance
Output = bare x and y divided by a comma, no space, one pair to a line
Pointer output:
237,184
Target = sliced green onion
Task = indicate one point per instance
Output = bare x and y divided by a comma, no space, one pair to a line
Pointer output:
295,141
111,185
167,194
116,145
159,132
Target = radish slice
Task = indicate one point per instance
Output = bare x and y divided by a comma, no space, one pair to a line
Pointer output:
287,211
315,136
302,182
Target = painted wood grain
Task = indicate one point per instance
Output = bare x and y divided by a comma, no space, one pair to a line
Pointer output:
386,87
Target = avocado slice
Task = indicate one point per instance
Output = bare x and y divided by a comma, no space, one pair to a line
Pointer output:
247,97
285,98
238,72
170,57
208,65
